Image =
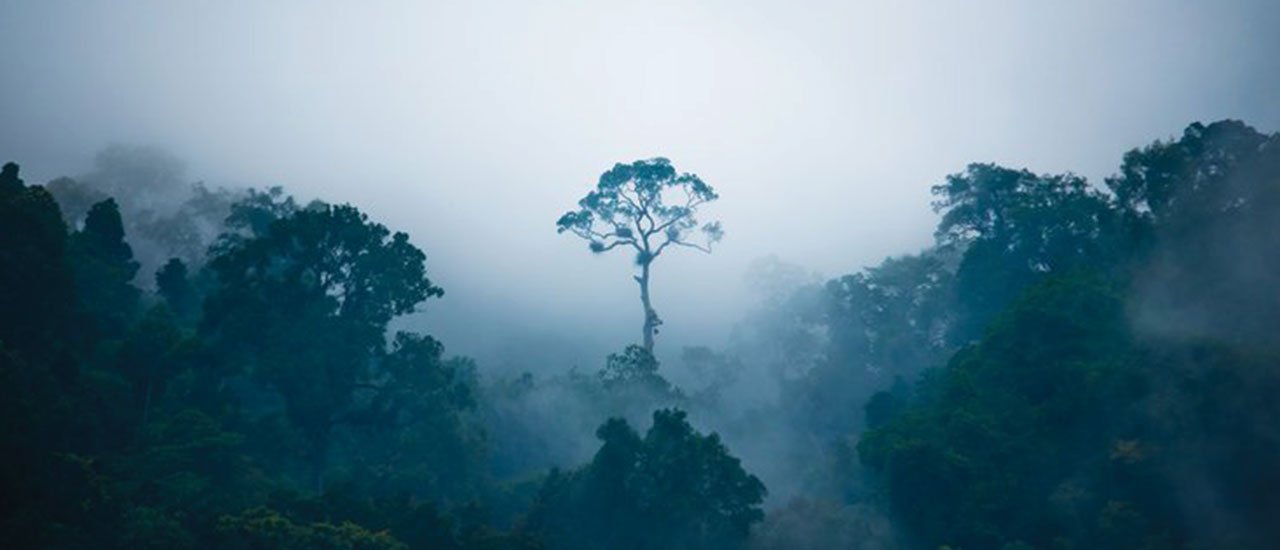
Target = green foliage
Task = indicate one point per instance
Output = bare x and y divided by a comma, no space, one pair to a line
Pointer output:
1062,427
104,269
153,351
633,205
1092,401
325,274
634,366
37,295
974,463
647,206
630,386
1063,369
329,261
153,434
417,432
264,528
1203,209
1015,227
673,488
174,285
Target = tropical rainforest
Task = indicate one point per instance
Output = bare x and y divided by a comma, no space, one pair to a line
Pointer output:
1071,364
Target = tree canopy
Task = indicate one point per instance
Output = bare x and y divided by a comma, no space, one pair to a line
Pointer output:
645,206
1067,365
673,477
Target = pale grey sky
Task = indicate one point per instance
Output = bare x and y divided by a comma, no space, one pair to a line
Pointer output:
473,125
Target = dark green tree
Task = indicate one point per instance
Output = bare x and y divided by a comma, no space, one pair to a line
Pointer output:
648,207
1203,217
674,488
1009,424
152,352
174,285
262,528
37,294
104,270
1015,227
634,366
306,306
421,436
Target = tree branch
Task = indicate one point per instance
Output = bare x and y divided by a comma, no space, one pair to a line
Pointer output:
706,249
645,211
689,205
678,242
633,202
615,244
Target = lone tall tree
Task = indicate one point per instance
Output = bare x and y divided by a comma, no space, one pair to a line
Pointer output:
647,206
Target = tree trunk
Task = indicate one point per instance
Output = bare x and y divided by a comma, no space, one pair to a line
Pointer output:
651,321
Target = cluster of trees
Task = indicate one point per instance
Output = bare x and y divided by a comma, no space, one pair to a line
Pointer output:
253,396
1070,365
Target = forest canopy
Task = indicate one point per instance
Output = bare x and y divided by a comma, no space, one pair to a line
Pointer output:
1070,364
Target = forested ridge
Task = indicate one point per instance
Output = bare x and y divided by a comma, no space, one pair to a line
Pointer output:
1072,364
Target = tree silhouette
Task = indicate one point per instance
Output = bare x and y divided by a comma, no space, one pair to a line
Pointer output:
104,268
672,488
648,206
307,305
37,294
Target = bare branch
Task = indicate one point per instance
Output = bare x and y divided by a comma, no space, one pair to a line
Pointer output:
619,232
686,244
706,249
615,244
649,216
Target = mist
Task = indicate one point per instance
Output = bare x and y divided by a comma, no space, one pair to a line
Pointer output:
845,289
472,127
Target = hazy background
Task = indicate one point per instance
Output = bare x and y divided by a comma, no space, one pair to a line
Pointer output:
474,125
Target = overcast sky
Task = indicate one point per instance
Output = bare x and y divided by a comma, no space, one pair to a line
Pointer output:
473,125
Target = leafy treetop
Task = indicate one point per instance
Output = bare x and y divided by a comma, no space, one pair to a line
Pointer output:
646,205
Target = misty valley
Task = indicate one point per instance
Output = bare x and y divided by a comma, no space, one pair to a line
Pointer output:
1070,364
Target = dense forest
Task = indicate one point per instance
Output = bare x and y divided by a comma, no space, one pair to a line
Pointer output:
1071,364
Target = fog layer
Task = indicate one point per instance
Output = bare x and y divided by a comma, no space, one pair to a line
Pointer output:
473,125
